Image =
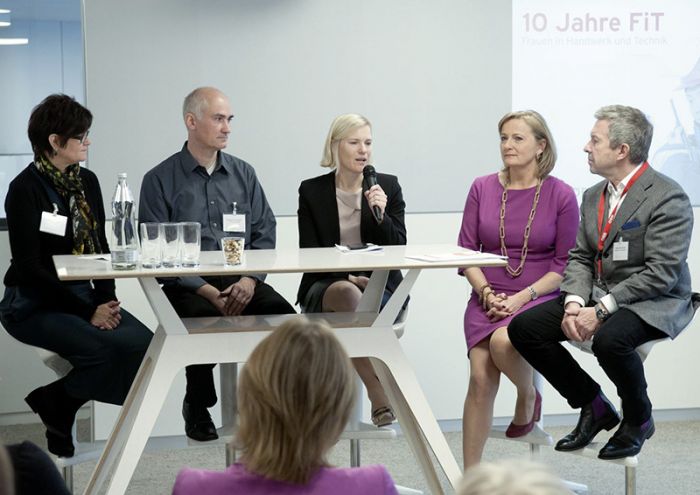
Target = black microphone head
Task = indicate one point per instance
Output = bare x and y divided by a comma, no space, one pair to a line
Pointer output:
368,170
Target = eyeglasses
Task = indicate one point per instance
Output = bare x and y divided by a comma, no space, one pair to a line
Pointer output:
82,138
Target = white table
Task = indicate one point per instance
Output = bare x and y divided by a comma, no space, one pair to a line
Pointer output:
178,343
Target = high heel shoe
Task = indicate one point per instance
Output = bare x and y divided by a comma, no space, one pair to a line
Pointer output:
383,416
516,431
58,423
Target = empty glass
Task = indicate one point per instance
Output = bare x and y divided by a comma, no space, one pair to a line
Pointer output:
191,242
172,245
151,245
232,248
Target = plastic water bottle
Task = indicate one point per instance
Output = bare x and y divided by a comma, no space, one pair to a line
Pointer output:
124,245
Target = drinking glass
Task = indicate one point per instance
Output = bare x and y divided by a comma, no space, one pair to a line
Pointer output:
151,245
172,245
191,243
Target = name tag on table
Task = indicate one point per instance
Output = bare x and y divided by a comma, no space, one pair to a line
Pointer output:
53,223
234,223
621,250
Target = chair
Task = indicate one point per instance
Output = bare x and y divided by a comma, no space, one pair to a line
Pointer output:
84,451
592,449
537,437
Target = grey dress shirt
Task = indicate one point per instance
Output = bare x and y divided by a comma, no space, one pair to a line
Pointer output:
180,190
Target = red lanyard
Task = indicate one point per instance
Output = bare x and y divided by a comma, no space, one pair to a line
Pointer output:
604,230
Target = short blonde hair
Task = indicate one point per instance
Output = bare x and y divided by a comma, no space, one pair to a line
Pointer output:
539,128
511,477
294,397
341,128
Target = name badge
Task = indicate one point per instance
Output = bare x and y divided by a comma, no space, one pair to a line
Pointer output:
621,250
234,223
598,293
53,223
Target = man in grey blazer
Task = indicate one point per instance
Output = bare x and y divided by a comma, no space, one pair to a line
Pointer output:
626,282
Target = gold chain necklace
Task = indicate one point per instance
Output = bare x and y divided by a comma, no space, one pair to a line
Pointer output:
526,236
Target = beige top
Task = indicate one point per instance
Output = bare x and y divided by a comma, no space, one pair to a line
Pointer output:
349,214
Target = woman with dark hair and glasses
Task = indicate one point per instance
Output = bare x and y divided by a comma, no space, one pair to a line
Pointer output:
54,207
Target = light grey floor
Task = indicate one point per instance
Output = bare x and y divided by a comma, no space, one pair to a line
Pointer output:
669,464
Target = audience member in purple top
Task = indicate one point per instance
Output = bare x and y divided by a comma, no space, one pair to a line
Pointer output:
294,397
531,217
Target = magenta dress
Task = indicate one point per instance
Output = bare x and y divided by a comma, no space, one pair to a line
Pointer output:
237,480
552,235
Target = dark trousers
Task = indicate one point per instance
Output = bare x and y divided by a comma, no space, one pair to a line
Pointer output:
537,335
104,362
200,379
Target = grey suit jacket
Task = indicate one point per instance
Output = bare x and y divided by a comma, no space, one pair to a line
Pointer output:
656,219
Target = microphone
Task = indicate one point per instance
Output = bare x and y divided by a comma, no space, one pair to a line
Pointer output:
370,179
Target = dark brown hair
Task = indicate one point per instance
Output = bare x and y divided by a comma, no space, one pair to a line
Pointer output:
58,114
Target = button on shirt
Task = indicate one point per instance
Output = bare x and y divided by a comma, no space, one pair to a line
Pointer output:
615,198
180,190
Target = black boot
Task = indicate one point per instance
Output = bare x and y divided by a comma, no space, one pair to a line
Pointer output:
57,411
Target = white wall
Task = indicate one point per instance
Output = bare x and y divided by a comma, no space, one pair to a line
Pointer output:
432,77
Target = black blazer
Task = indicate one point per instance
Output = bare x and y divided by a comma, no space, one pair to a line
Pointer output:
31,267
319,225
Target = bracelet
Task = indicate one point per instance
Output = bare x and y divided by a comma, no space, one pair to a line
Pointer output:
533,293
482,292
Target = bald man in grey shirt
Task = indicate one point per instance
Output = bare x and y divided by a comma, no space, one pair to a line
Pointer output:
200,183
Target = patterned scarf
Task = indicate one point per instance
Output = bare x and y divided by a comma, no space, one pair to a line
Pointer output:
70,187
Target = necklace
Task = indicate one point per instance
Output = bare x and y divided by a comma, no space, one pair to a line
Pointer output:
526,235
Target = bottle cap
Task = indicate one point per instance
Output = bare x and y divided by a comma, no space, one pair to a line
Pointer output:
121,175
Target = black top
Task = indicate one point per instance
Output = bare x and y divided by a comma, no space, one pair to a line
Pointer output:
319,225
32,267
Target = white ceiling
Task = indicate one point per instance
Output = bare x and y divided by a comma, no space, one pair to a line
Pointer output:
43,10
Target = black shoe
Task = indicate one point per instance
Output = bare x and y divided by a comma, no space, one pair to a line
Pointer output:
57,421
198,423
627,440
588,426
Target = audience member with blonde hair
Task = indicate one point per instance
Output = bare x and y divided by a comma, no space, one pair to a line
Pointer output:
295,396
511,477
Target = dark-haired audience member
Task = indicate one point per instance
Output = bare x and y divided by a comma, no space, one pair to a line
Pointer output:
295,396
31,471
54,207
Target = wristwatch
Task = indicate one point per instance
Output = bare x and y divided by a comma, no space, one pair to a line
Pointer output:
601,313
533,293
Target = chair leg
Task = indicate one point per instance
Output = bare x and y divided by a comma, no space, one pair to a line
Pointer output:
67,472
630,480
230,454
355,452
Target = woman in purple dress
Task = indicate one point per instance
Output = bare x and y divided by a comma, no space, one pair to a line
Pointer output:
531,217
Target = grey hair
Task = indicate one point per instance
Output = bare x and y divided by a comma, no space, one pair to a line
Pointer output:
510,477
196,102
628,125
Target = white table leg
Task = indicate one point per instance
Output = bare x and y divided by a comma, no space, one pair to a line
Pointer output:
409,402
124,428
407,397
